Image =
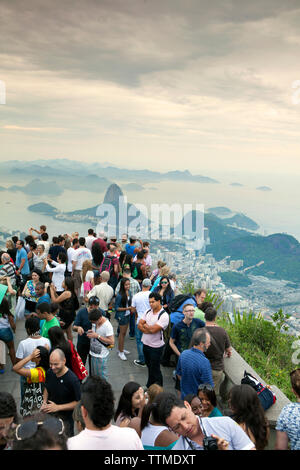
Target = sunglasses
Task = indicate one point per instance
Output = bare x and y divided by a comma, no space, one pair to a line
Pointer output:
164,282
205,387
28,429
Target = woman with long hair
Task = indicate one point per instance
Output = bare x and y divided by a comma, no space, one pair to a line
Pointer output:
130,406
97,257
125,262
35,379
59,341
29,292
165,290
249,414
87,276
7,328
154,435
68,304
123,310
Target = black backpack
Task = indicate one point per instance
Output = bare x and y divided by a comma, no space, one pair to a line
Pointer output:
162,332
178,300
107,264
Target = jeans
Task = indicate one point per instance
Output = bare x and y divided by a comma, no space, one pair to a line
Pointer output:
139,344
152,359
132,329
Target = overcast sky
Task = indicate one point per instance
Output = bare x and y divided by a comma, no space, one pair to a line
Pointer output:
169,84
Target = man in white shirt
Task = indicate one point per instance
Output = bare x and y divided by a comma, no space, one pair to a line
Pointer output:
179,417
70,253
81,254
97,408
103,291
140,302
102,339
90,239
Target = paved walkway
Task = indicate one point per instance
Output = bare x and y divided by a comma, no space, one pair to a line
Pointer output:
120,372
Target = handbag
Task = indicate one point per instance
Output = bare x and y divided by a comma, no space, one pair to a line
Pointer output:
20,308
77,365
265,394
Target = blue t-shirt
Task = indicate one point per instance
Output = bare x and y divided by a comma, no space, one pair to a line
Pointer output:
45,298
22,254
130,249
194,369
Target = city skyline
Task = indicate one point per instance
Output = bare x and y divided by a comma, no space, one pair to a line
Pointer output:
153,85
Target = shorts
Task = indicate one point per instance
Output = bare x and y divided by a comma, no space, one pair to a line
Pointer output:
122,319
6,335
77,279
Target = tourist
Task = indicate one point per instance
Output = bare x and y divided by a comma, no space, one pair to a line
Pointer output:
154,434
8,419
140,304
288,422
195,299
58,271
90,239
208,399
97,257
123,311
220,346
55,249
7,328
39,257
101,242
82,325
131,248
249,414
8,269
29,292
70,253
35,378
97,407
193,368
22,261
11,250
68,304
104,292
80,255
62,391
130,407
44,312
101,340
195,404
178,416
40,432
152,325
44,241
43,229
87,277
139,267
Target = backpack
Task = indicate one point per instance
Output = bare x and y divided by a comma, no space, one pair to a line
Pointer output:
136,272
178,300
107,264
265,394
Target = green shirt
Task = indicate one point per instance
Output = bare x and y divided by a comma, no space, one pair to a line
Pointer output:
47,325
199,314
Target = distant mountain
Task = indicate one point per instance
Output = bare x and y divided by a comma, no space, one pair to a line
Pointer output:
67,169
36,187
238,185
277,254
133,187
242,221
43,208
220,211
264,188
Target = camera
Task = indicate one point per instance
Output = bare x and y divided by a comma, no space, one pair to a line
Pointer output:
210,443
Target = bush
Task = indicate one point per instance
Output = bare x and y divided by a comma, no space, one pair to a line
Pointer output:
263,345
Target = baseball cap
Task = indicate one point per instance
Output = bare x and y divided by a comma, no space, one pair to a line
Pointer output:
94,300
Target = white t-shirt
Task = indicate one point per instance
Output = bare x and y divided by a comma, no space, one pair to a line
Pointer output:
89,241
81,255
141,302
155,340
221,426
58,274
27,346
113,438
96,348
70,253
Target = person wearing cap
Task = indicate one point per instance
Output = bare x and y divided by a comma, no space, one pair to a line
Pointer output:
140,302
82,325
131,248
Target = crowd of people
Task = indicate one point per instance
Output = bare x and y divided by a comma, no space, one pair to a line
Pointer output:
102,288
